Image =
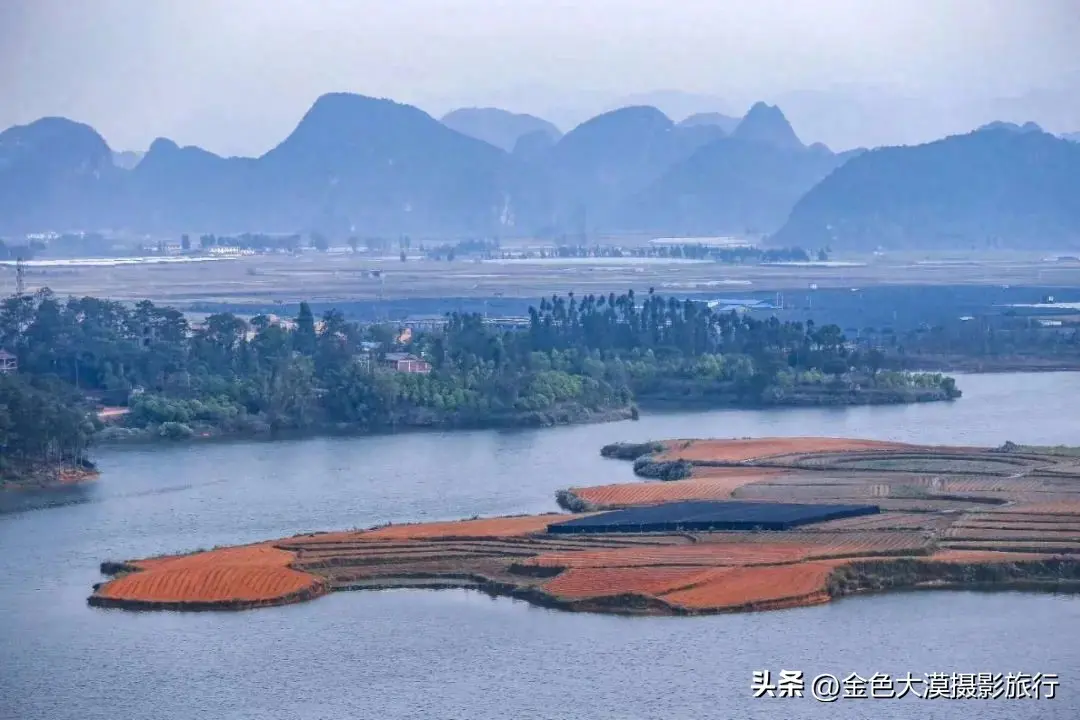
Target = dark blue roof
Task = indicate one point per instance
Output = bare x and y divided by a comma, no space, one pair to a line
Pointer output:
702,515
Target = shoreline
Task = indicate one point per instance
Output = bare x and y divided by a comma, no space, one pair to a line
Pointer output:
1035,576
979,366
66,478
119,436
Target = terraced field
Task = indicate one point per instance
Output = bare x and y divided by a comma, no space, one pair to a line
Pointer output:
949,517
247,576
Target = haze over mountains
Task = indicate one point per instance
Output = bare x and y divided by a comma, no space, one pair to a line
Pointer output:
356,165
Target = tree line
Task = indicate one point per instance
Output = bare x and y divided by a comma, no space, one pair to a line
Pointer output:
587,354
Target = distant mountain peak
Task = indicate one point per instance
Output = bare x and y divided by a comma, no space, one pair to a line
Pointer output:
1027,127
712,119
638,117
162,145
498,127
765,123
56,131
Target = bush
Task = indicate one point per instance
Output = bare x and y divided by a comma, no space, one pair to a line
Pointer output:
630,451
666,470
175,431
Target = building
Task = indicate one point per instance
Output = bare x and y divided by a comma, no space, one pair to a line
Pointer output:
8,362
406,362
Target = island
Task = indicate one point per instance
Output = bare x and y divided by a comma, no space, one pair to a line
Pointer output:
751,524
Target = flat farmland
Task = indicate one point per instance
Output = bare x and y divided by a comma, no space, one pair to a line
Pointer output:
345,276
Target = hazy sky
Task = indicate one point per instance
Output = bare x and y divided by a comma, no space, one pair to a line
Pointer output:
235,75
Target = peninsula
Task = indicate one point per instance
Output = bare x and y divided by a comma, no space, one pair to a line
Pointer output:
87,370
754,524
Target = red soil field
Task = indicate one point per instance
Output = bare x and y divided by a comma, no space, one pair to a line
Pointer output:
714,554
210,584
248,574
740,450
802,584
600,582
829,543
887,521
260,554
767,492
487,527
975,533
718,486
994,485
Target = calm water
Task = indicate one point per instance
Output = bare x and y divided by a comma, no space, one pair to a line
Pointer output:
458,654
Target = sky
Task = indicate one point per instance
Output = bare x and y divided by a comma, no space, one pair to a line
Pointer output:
235,76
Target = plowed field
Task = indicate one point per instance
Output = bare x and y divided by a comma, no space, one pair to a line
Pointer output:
210,584
261,554
652,493
741,450
488,527
254,574
606,581
888,521
738,587
970,533
710,554
829,543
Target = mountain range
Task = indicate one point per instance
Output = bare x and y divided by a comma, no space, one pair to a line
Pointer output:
367,166
996,187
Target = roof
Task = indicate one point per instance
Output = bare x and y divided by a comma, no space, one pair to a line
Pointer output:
706,515
5,355
398,356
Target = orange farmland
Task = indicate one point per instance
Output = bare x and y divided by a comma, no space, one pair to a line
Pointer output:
945,517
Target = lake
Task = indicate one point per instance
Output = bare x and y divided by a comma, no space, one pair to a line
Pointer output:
461,654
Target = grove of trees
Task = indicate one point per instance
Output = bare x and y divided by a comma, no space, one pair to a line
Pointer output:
577,355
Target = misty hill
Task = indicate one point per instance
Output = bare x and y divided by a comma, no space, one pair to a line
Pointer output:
745,183
713,119
1074,137
380,166
992,187
767,124
730,186
498,127
351,162
188,187
55,173
362,165
601,162
534,145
